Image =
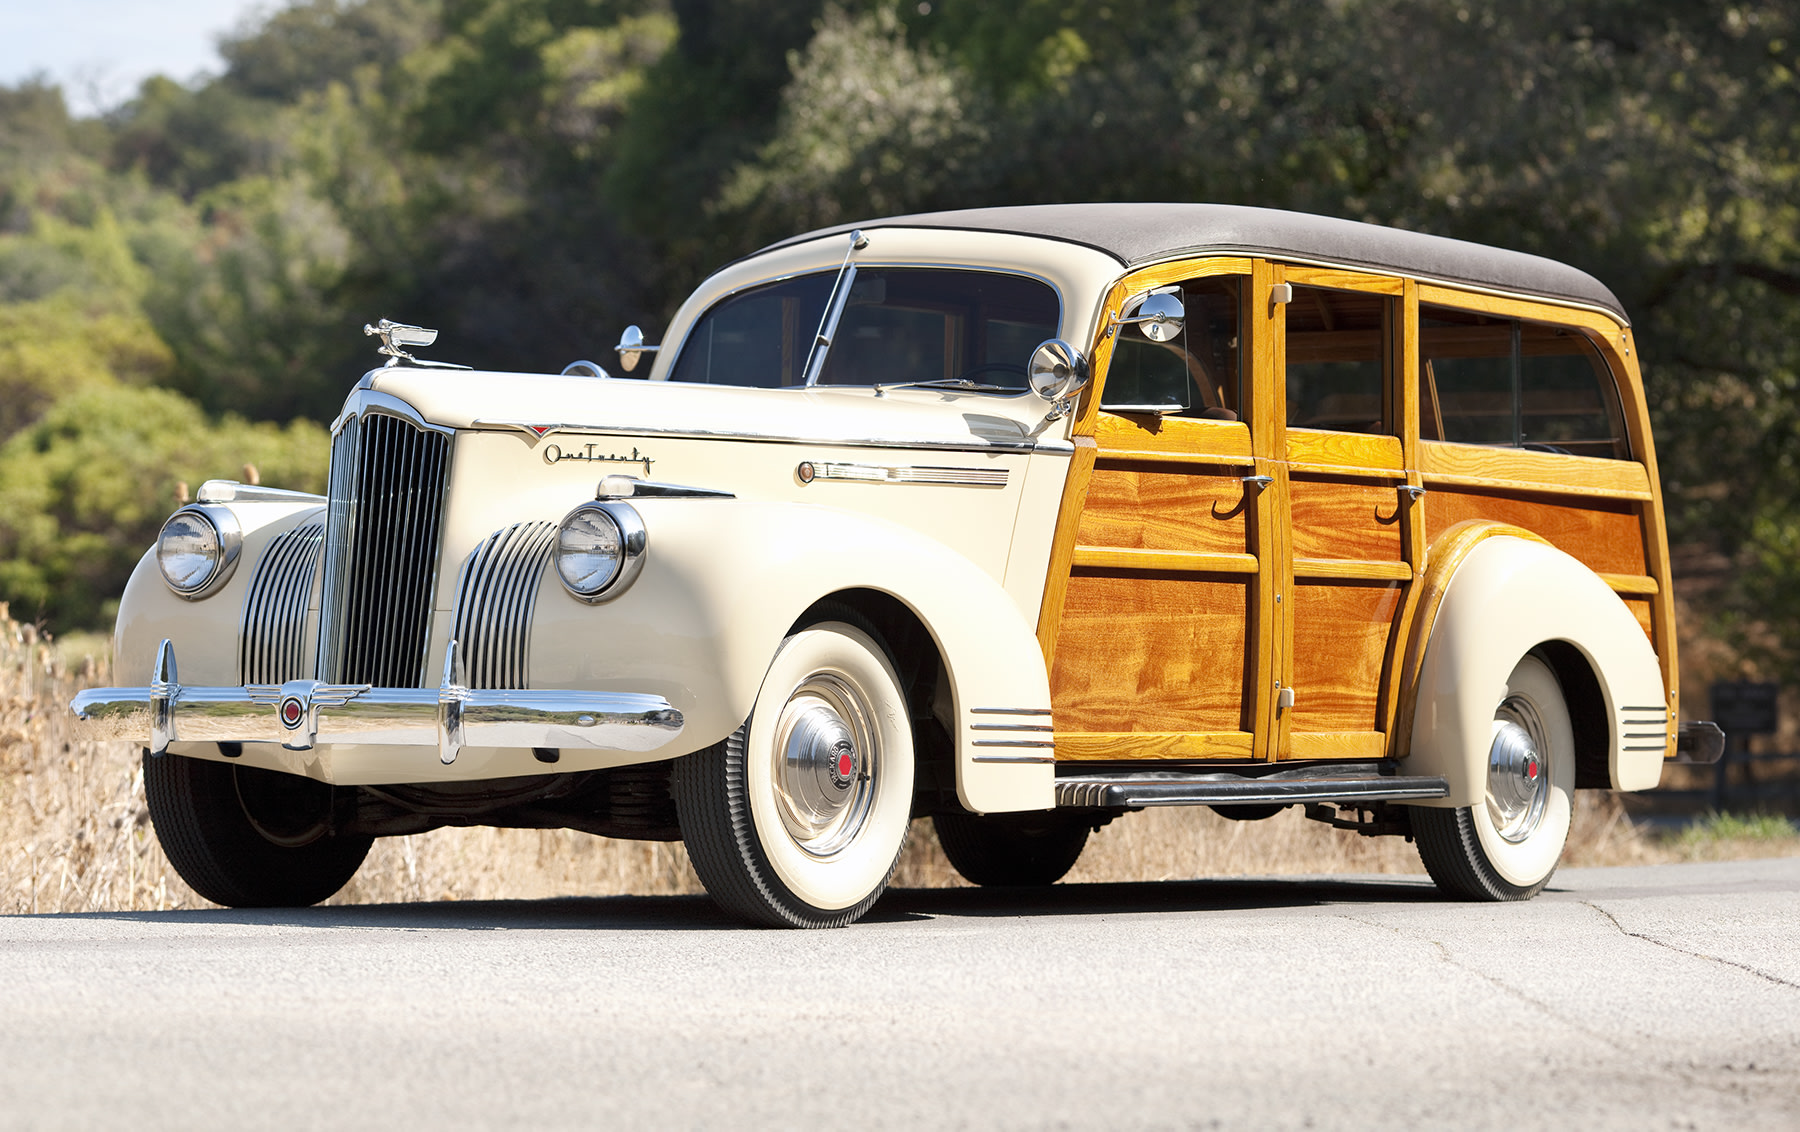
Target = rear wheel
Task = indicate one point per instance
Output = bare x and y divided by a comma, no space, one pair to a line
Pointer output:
1507,846
1012,849
248,838
798,819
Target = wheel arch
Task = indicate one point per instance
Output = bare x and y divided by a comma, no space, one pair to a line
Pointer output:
1493,594
687,615
920,664
957,655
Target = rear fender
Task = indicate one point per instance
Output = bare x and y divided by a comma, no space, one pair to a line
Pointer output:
1503,596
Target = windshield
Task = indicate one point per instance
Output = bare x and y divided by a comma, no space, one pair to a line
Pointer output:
900,325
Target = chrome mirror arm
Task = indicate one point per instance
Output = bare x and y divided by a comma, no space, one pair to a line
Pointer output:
631,348
1164,320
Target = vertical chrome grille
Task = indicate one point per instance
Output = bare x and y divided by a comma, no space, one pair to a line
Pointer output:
381,547
273,646
494,602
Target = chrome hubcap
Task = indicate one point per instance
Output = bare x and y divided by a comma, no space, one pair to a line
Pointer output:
825,764
1518,781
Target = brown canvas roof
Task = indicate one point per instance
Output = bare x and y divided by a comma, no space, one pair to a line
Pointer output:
1142,233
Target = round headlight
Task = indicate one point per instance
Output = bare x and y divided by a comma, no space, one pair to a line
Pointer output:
197,549
1056,370
599,549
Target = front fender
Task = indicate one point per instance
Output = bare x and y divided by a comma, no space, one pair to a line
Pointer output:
1505,597
725,580
206,632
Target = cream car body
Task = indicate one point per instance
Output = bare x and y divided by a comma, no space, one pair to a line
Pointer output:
959,522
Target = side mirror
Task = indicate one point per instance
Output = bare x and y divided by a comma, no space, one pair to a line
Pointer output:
631,348
1159,316
584,368
1057,370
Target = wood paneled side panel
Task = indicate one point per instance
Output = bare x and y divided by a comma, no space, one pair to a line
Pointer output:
1121,746
1337,745
1175,438
1340,644
1554,471
1603,534
1336,519
1642,609
1346,450
1344,280
1129,505
1150,652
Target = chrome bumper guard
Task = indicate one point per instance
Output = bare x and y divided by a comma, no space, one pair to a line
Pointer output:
301,714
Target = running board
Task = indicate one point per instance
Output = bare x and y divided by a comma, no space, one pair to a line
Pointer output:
1348,783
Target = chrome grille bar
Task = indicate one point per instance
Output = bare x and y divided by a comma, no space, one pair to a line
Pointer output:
340,535
494,602
387,492
272,647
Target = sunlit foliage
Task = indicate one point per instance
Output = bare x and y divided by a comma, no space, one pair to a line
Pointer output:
531,175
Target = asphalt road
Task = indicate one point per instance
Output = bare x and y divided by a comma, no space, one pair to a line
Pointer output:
1664,997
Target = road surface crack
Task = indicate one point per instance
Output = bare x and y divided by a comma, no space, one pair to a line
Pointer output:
1759,973
1446,956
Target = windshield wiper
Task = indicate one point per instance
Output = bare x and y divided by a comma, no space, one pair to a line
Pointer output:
945,383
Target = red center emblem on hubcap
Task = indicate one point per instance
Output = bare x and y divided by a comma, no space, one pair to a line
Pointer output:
845,766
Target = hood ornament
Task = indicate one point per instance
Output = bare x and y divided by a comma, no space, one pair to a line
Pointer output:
395,335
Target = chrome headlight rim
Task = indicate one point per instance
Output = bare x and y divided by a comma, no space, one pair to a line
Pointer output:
230,537
633,541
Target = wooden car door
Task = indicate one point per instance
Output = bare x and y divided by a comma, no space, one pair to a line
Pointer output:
1349,518
1157,622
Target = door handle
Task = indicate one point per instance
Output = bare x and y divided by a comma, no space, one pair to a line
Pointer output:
1257,482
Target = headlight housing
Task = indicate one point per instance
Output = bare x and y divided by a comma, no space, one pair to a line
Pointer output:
600,549
197,550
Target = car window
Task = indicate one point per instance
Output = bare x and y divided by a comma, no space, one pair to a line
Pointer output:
921,324
757,337
1487,380
898,325
1334,360
1195,373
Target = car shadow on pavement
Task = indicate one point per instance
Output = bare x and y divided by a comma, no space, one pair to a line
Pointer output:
1238,894
698,913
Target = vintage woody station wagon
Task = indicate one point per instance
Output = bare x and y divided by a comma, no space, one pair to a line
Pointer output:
1019,518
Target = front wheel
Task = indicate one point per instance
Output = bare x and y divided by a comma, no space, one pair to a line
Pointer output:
1506,847
248,838
798,818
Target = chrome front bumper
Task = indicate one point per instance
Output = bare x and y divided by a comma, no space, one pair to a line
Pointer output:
301,714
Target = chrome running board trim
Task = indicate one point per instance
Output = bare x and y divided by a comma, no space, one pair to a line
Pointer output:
1356,782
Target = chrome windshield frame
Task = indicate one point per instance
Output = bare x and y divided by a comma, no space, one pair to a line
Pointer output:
834,310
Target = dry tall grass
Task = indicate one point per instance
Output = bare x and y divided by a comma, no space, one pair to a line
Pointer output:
75,835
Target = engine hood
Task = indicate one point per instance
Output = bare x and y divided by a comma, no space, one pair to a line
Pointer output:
543,403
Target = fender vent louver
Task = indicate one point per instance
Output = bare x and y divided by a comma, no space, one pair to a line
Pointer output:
494,601
273,641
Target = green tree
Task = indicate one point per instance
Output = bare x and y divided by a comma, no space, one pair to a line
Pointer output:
84,490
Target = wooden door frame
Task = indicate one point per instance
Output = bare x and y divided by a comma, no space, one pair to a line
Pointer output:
1351,454
1261,646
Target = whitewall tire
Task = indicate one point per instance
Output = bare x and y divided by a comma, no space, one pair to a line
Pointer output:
798,819
1507,847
